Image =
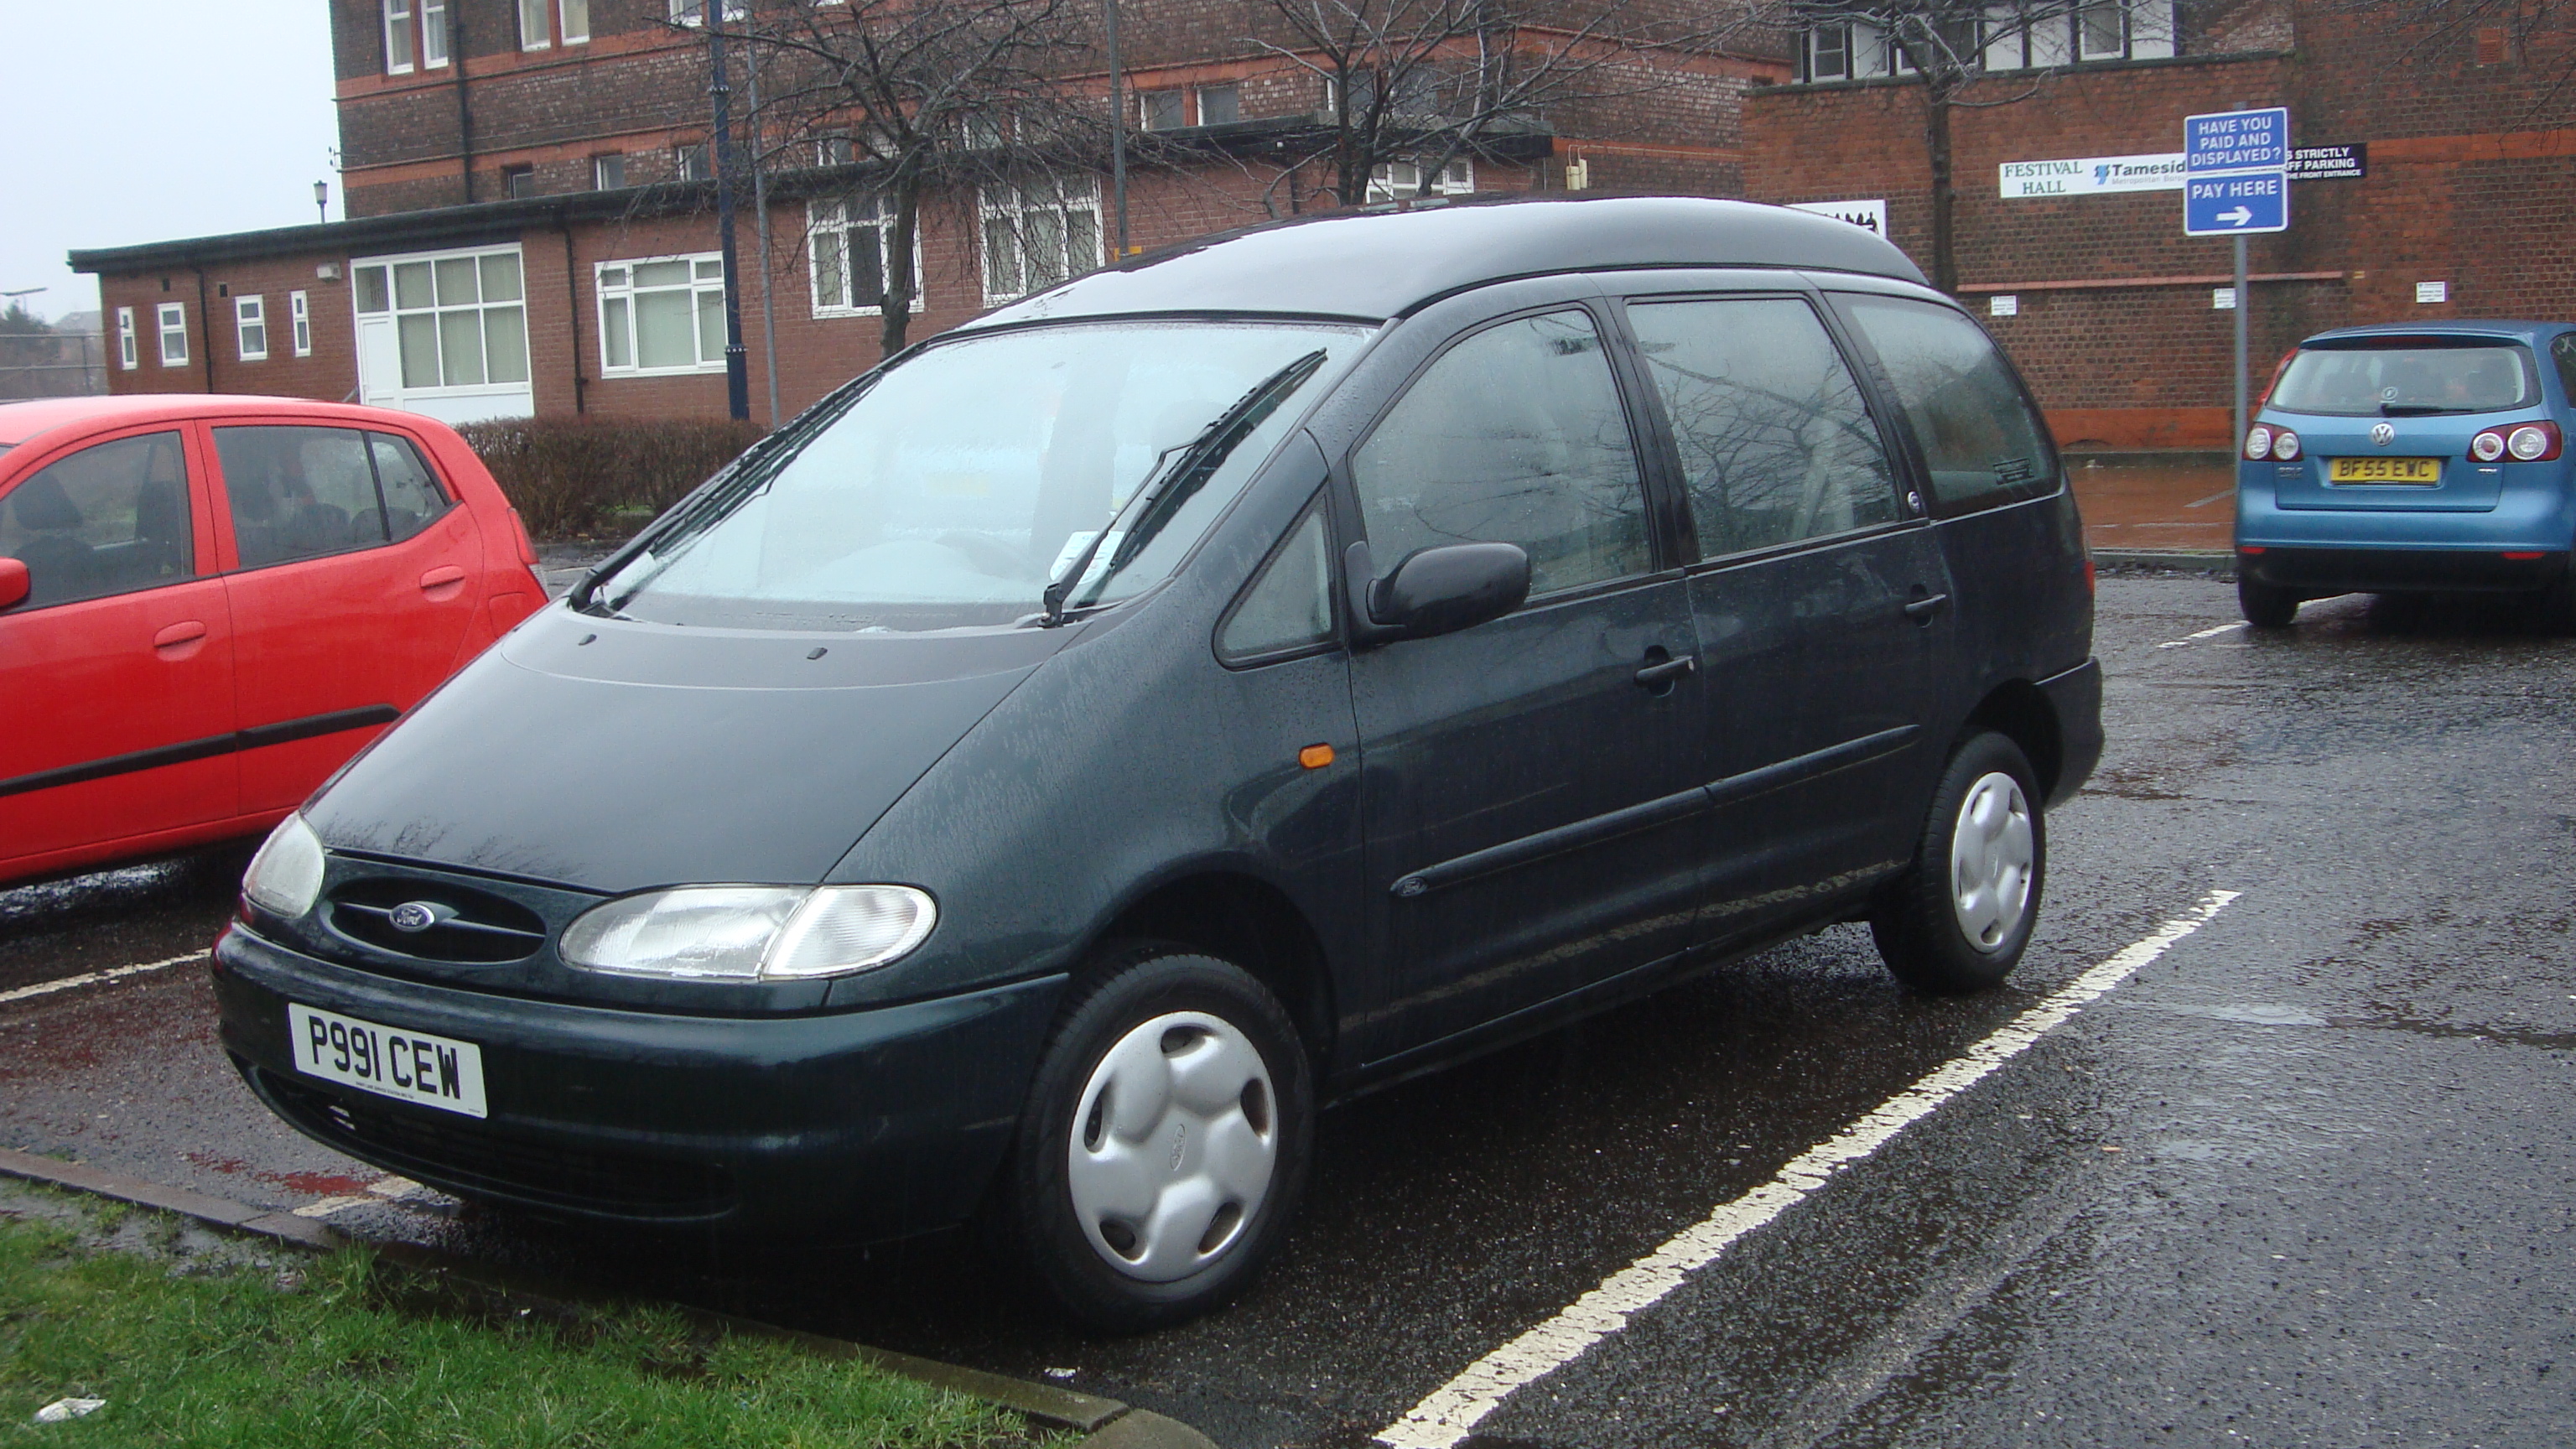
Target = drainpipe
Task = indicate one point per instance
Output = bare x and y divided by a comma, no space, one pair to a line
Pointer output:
572,307
464,106
760,204
206,319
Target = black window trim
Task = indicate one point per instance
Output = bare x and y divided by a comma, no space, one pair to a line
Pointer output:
197,497
1900,480
1663,551
375,476
1316,506
1881,391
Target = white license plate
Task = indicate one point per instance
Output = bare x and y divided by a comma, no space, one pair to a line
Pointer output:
408,1066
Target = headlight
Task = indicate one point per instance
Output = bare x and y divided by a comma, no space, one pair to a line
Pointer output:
750,933
286,875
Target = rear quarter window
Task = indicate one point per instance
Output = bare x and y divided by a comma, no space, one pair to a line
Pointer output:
1982,444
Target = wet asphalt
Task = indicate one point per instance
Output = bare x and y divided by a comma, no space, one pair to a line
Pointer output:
2304,1180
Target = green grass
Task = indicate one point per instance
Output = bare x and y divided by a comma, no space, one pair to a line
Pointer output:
349,1351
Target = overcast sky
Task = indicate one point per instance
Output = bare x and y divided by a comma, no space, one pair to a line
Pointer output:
152,120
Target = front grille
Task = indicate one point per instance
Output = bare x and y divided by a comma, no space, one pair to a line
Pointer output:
458,923
471,1158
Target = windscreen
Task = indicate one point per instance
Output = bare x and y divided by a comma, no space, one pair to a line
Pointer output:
952,490
2406,378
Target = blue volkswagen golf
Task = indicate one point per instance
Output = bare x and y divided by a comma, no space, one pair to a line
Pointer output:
2425,458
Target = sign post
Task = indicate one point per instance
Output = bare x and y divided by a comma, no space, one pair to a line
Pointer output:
2236,181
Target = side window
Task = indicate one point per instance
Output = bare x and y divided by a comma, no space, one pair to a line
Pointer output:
412,497
2563,352
1515,435
1776,444
110,519
298,492
1291,604
1978,437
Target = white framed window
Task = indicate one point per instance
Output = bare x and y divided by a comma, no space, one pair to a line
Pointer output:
607,173
1038,235
460,319
1395,179
1220,105
250,328
1829,56
694,12
174,335
2101,31
1162,110
433,34
689,162
574,16
399,55
536,25
128,356
835,150
661,315
845,247
299,316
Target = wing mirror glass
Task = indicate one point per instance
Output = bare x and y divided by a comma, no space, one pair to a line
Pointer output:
14,583
1437,590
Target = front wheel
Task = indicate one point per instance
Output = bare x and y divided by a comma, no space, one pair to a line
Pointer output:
1165,1140
1959,919
2264,606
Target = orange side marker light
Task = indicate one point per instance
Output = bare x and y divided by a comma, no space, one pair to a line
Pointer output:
1315,757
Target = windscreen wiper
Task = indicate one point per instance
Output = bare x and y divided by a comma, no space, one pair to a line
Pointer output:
2417,410
1202,457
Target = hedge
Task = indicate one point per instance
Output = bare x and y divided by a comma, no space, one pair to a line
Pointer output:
587,479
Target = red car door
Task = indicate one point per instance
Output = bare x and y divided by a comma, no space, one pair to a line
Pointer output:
116,689
357,572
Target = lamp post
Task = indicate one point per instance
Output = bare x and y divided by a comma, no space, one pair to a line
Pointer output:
737,361
321,202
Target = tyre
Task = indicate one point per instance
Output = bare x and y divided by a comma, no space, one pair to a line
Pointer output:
1958,919
2264,606
1165,1140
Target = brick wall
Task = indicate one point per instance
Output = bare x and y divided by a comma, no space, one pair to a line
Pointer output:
215,351
2468,184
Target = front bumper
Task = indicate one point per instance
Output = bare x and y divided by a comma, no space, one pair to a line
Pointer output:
861,1125
2318,572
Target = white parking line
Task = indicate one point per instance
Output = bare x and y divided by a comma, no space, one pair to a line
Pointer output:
1454,1409
382,1190
2203,634
92,978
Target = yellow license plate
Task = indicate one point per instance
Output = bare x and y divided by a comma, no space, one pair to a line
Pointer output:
2425,472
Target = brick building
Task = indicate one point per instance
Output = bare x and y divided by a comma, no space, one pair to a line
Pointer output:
529,233
532,229
2466,181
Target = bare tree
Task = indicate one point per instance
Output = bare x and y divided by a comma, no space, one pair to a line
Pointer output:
1429,82
918,98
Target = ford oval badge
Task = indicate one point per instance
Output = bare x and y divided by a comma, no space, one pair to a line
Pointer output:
414,916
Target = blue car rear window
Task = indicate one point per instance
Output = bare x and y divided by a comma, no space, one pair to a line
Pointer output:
2409,376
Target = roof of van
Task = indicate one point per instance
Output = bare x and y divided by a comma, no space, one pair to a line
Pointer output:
1380,264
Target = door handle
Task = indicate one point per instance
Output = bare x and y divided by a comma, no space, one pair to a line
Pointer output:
187,631
443,582
1921,610
1666,671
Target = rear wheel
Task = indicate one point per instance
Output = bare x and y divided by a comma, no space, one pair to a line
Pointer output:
1165,1140
2265,606
1959,919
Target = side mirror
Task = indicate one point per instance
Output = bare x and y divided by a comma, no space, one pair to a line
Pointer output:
1439,590
14,583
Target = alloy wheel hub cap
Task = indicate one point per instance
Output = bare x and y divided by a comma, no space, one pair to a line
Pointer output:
1991,857
1173,1145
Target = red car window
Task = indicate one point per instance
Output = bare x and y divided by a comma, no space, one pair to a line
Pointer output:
109,519
412,497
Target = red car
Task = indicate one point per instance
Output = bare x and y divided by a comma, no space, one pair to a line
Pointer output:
207,604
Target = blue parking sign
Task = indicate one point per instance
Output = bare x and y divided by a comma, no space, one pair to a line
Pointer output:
2236,205
2236,141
